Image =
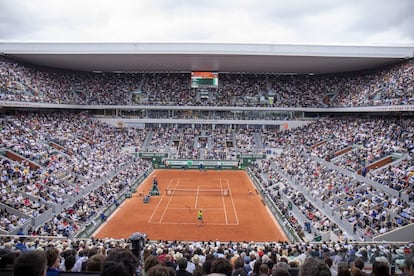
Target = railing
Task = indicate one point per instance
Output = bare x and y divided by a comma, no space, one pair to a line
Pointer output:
44,217
95,223
57,208
281,219
358,177
318,203
17,213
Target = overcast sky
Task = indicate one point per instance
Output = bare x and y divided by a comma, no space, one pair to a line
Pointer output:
362,22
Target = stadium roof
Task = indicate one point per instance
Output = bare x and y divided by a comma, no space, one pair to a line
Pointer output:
186,57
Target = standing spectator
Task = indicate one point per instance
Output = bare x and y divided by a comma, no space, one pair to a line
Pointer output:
264,270
280,271
380,269
161,270
120,262
199,271
182,266
344,271
329,262
355,271
238,268
82,257
95,263
7,258
53,262
190,265
314,267
256,268
69,262
208,262
30,263
360,264
149,262
168,261
221,266
409,265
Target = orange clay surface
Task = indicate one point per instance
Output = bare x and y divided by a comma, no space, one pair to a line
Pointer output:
238,216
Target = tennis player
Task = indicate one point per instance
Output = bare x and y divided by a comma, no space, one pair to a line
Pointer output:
200,218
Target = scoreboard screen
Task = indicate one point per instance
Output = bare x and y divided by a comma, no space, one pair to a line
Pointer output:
204,80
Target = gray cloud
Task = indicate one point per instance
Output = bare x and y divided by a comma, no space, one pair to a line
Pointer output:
11,24
255,21
385,16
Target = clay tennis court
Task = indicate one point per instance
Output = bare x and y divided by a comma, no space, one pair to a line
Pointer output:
232,209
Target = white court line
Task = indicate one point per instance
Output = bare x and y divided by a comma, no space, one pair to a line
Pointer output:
108,219
232,202
206,209
224,203
192,223
196,199
162,197
168,203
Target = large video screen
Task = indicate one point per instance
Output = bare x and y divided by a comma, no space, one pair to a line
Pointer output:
204,80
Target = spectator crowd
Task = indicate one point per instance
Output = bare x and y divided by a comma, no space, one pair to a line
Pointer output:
113,257
392,85
66,166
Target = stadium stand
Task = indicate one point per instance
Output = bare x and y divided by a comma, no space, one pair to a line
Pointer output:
388,86
348,176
